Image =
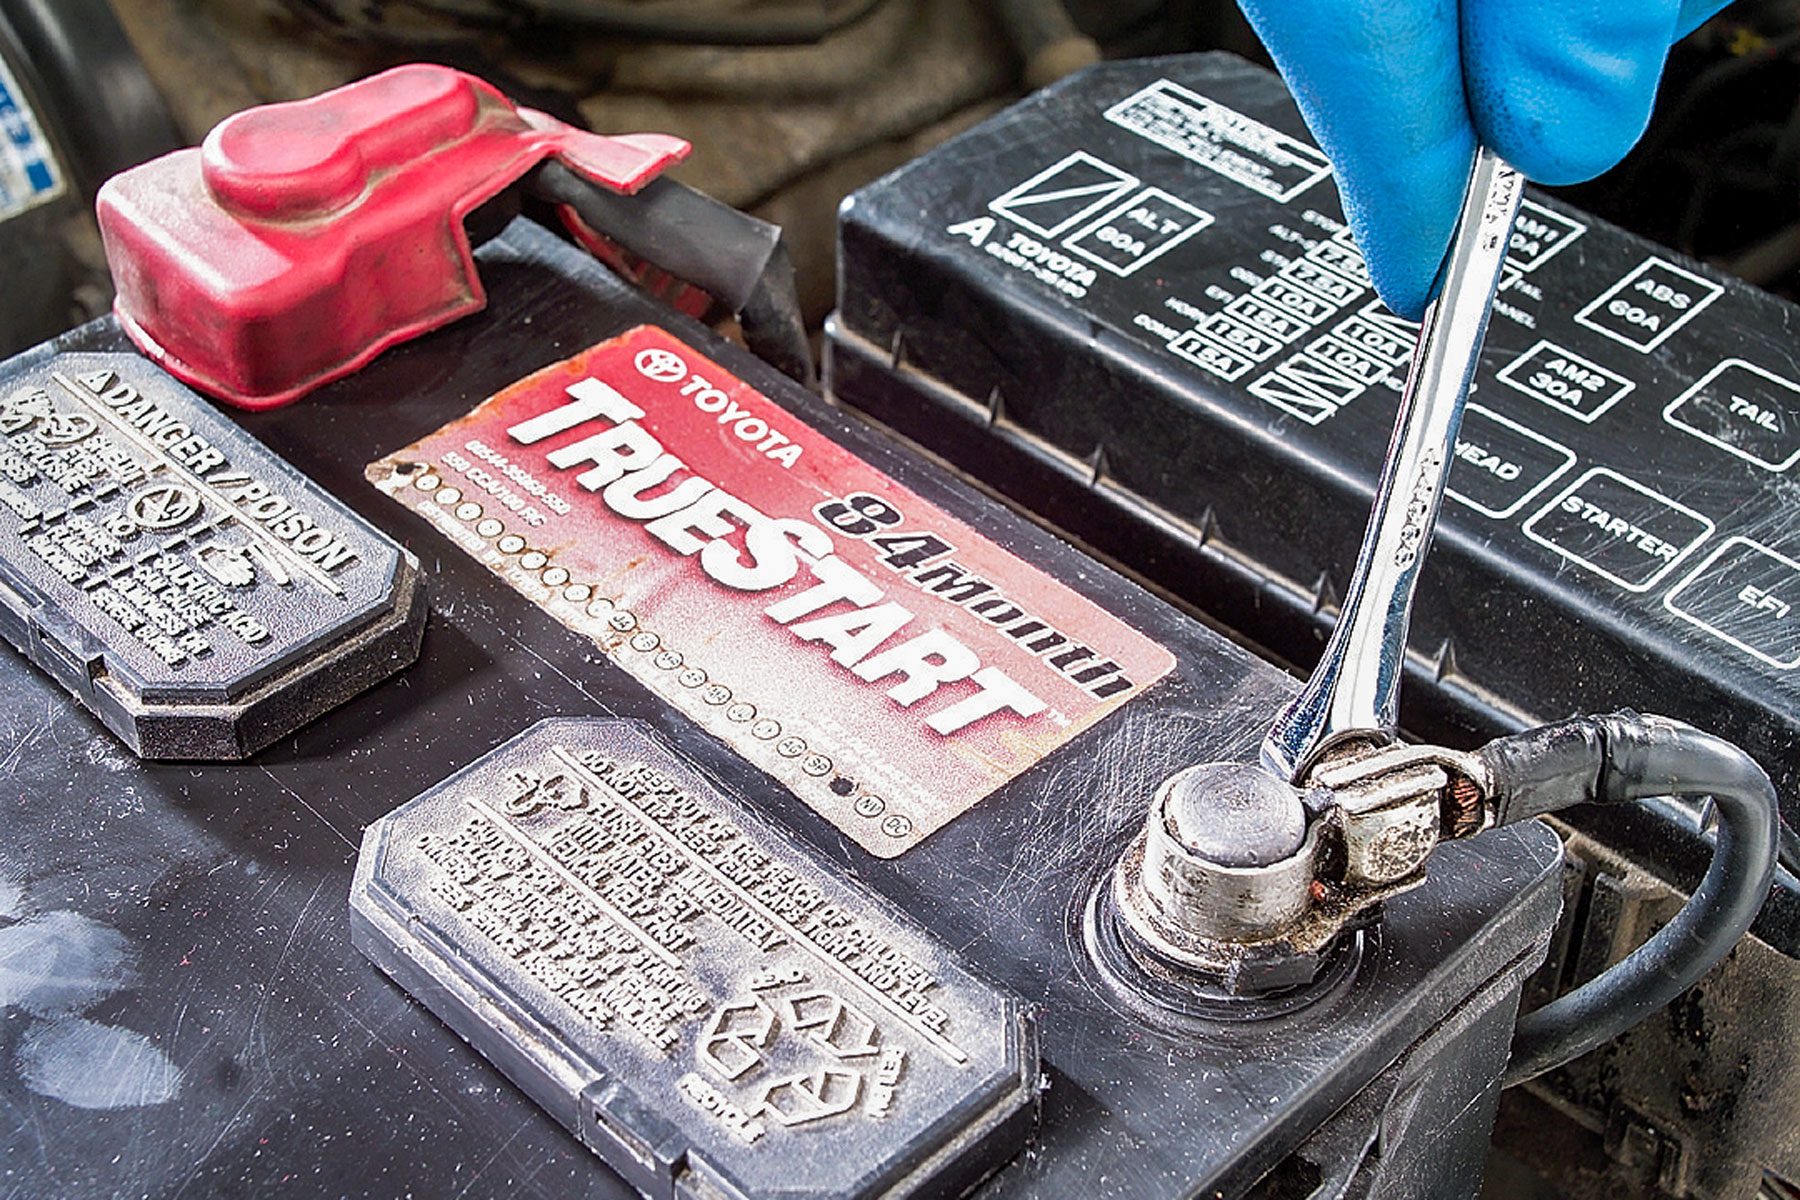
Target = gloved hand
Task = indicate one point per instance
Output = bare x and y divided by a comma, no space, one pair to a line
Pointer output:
1398,91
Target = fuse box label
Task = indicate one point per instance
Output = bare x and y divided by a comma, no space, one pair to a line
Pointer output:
1262,159
887,662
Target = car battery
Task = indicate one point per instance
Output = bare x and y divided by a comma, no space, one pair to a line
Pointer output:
1130,303
595,667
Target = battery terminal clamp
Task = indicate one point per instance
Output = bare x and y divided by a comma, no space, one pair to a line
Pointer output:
303,239
1394,804
1244,896
1245,885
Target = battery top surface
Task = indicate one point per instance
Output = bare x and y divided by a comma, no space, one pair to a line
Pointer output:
228,1038
698,996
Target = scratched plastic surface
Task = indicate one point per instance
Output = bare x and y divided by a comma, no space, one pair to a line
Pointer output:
675,980
267,1054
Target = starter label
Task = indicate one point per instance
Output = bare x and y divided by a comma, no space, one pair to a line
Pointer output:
1619,529
885,661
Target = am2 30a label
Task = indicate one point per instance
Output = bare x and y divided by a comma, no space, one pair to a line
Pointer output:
887,662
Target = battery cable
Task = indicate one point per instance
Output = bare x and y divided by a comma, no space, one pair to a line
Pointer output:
1624,757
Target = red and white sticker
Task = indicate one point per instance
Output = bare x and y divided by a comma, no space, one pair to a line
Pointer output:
884,660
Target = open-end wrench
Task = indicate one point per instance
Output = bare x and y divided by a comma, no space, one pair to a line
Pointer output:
1355,689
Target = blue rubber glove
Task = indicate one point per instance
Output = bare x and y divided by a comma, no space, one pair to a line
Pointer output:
1398,91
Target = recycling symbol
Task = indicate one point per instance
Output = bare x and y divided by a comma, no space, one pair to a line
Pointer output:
800,1055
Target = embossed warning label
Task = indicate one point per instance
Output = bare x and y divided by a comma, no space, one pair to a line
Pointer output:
196,592
679,983
883,659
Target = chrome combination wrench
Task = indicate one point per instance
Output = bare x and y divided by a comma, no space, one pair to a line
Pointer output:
1354,691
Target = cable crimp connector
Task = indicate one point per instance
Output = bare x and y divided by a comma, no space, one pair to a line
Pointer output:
1393,805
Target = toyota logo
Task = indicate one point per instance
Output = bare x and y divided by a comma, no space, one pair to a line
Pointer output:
664,366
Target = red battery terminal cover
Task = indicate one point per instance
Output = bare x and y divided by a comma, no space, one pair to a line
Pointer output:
303,239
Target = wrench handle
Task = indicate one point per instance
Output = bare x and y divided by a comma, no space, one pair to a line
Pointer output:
1355,689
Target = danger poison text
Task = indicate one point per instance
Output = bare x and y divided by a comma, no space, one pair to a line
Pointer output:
842,611
249,498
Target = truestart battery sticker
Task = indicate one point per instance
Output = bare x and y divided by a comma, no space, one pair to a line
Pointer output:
884,660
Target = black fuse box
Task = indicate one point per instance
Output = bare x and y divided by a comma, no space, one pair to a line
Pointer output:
203,907
1131,304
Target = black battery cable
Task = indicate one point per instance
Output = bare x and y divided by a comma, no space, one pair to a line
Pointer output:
1619,758
738,259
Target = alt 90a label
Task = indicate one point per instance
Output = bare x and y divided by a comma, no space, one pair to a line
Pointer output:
884,660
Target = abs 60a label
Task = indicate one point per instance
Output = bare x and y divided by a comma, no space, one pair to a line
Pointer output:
881,658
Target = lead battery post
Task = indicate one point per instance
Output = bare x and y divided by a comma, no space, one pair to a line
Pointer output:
1214,892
